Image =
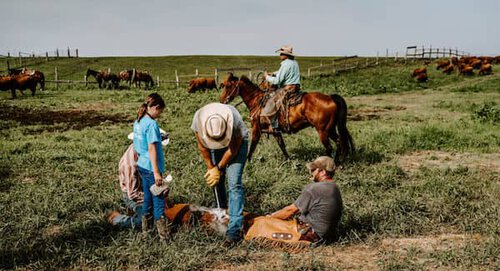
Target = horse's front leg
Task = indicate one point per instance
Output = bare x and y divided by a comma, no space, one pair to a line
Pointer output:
255,139
281,143
325,140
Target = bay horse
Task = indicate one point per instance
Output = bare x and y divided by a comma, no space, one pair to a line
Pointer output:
326,113
141,76
103,77
38,76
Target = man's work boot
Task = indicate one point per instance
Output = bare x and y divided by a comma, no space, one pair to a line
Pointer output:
146,224
162,227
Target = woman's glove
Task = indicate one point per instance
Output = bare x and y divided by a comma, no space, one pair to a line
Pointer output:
212,176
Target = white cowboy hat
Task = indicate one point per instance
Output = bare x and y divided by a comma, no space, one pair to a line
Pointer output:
215,125
164,135
286,50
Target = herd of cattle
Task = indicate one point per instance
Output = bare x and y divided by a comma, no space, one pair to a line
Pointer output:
464,66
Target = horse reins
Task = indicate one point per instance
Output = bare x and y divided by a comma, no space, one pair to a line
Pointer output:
236,90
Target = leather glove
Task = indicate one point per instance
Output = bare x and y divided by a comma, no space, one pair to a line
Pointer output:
212,176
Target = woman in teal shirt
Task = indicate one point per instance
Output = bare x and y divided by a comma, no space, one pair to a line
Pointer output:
151,162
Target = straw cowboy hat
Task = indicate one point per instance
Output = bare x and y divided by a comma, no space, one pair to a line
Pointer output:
286,50
215,125
164,136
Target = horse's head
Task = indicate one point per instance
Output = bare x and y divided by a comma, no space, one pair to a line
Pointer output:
89,72
230,88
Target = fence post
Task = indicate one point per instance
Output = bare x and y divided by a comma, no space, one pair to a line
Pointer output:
57,53
176,79
109,70
376,63
158,80
47,56
308,72
196,73
85,79
69,54
8,54
250,74
216,76
20,60
57,78
76,51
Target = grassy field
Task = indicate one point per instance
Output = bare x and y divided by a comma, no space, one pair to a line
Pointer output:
420,193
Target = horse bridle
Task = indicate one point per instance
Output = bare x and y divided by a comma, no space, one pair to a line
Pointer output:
236,90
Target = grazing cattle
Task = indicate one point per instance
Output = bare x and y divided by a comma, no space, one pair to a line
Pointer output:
38,76
464,69
496,60
476,63
142,76
442,63
449,69
20,82
454,61
485,69
201,84
418,71
422,77
487,59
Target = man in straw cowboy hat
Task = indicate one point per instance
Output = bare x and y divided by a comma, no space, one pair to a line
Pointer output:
319,204
287,79
223,143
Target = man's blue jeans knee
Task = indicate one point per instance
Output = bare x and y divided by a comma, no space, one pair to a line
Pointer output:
126,221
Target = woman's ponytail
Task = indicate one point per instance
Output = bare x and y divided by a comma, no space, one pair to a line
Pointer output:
153,99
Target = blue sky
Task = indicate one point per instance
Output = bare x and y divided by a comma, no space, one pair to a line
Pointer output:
252,27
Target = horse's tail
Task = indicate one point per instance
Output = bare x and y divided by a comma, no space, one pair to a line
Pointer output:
346,141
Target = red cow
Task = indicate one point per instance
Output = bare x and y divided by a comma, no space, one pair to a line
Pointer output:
485,69
422,77
201,84
476,63
418,71
449,69
464,69
442,63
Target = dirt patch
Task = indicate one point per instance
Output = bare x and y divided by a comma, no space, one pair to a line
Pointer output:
52,231
354,257
70,119
370,113
446,160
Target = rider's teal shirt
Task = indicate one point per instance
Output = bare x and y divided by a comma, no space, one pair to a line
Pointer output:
147,132
288,74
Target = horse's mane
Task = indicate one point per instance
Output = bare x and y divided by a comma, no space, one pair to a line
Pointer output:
247,81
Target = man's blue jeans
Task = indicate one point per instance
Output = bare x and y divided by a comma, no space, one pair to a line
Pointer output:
126,221
234,172
151,204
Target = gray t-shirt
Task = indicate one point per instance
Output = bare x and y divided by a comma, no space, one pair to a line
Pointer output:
320,205
238,124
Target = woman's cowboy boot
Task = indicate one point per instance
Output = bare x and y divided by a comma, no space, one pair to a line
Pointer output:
147,224
162,227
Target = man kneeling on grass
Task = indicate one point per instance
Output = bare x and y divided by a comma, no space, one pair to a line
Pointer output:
319,205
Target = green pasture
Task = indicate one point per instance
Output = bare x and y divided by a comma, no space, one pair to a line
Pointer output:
59,154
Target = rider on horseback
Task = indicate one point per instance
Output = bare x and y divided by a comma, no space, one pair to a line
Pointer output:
287,78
